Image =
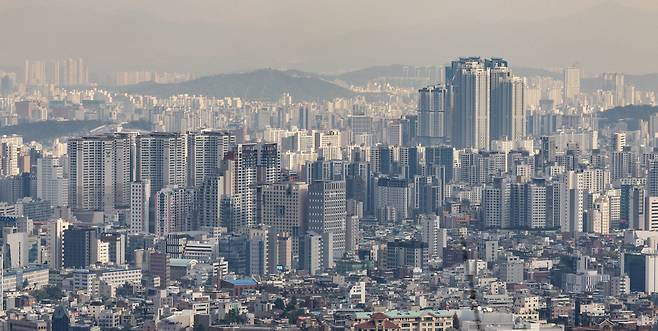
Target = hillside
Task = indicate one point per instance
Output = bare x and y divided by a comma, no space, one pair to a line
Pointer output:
47,130
265,84
629,114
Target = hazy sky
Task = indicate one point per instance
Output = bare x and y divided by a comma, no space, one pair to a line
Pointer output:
205,36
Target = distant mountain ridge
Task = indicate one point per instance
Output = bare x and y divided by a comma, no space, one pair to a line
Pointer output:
263,84
269,84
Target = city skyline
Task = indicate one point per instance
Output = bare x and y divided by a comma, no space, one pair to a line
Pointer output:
141,192
352,35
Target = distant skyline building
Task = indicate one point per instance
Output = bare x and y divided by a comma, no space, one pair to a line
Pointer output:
433,101
472,104
571,83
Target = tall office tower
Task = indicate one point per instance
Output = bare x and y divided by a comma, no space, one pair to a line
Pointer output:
618,142
162,158
257,251
56,230
206,151
327,211
80,247
496,204
269,164
35,73
471,85
280,252
140,202
571,83
614,82
316,252
432,104
51,184
393,199
284,209
99,172
241,168
432,234
174,206
652,178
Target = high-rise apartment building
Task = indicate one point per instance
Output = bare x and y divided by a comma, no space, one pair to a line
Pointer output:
99,172
472,105
51,184
433,102
241,173
206,151
571,83
140,206
173,212
162,159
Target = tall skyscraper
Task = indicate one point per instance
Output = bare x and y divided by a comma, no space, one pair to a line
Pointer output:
501,101
327,211
206,151
471,84
241,168
162,159
433,101
99,172
173,210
